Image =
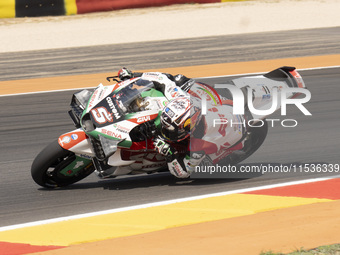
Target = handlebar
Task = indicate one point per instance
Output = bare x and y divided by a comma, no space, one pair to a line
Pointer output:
114,78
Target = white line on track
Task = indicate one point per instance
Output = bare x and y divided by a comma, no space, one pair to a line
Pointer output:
173,201
209,77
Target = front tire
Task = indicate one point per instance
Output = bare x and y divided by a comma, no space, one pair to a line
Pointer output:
47,166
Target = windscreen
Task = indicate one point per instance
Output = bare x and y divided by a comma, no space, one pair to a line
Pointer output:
127,95
116,105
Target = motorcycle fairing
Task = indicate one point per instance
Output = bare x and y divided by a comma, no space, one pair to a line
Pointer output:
76,141
76,165
108,113
107,120
144,160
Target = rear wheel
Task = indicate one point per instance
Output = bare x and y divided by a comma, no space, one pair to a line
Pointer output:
57,167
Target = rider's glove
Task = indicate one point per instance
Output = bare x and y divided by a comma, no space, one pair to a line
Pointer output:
183,82
124,74
162,147
187,85
177,168
183,168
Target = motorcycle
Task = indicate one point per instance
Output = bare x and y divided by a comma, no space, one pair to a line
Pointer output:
116,125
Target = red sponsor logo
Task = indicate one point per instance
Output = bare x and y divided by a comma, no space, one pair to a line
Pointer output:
111,133
143,119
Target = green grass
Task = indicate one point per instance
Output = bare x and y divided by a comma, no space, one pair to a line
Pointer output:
322,250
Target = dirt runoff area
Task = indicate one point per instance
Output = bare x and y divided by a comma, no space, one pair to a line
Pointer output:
165,23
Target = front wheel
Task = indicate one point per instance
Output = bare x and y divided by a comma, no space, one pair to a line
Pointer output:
57,167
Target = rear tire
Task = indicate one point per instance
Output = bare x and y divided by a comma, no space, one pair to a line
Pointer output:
50,161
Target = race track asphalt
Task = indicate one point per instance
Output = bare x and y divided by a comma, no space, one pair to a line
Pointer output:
29,122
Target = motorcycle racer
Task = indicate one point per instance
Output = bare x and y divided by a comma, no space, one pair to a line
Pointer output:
182,121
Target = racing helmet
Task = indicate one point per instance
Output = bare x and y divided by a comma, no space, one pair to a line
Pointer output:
179,118
124,74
